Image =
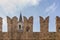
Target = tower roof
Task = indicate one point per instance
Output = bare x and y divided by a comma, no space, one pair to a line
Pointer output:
20,18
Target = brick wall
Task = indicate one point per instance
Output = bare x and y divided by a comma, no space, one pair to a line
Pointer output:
13,33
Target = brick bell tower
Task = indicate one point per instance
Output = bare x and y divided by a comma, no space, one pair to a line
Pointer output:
20,24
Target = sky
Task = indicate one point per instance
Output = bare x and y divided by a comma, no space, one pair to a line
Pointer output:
29,8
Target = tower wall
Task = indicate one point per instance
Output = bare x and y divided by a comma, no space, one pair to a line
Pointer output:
44,24
28,24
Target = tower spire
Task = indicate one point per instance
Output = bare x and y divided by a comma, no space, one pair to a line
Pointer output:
20,18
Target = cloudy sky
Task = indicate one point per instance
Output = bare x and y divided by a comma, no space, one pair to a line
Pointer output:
29,8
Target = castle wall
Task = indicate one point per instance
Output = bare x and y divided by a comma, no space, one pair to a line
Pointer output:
58,27
0,28
28,23
44,24
14,34
57,24
38,36
0,24
5,36
9,22
47,36
14,27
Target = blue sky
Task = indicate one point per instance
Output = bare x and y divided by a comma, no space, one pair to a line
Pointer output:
29,8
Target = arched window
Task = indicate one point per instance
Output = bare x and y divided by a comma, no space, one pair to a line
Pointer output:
59,29
27,29
19,26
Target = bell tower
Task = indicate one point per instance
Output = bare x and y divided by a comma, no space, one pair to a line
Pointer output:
20,24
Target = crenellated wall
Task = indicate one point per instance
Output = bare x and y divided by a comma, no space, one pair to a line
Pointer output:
1,28
44,23
28,23
28,34
0,24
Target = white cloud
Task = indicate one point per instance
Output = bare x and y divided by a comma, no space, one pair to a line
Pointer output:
9,6
51,8
19,2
